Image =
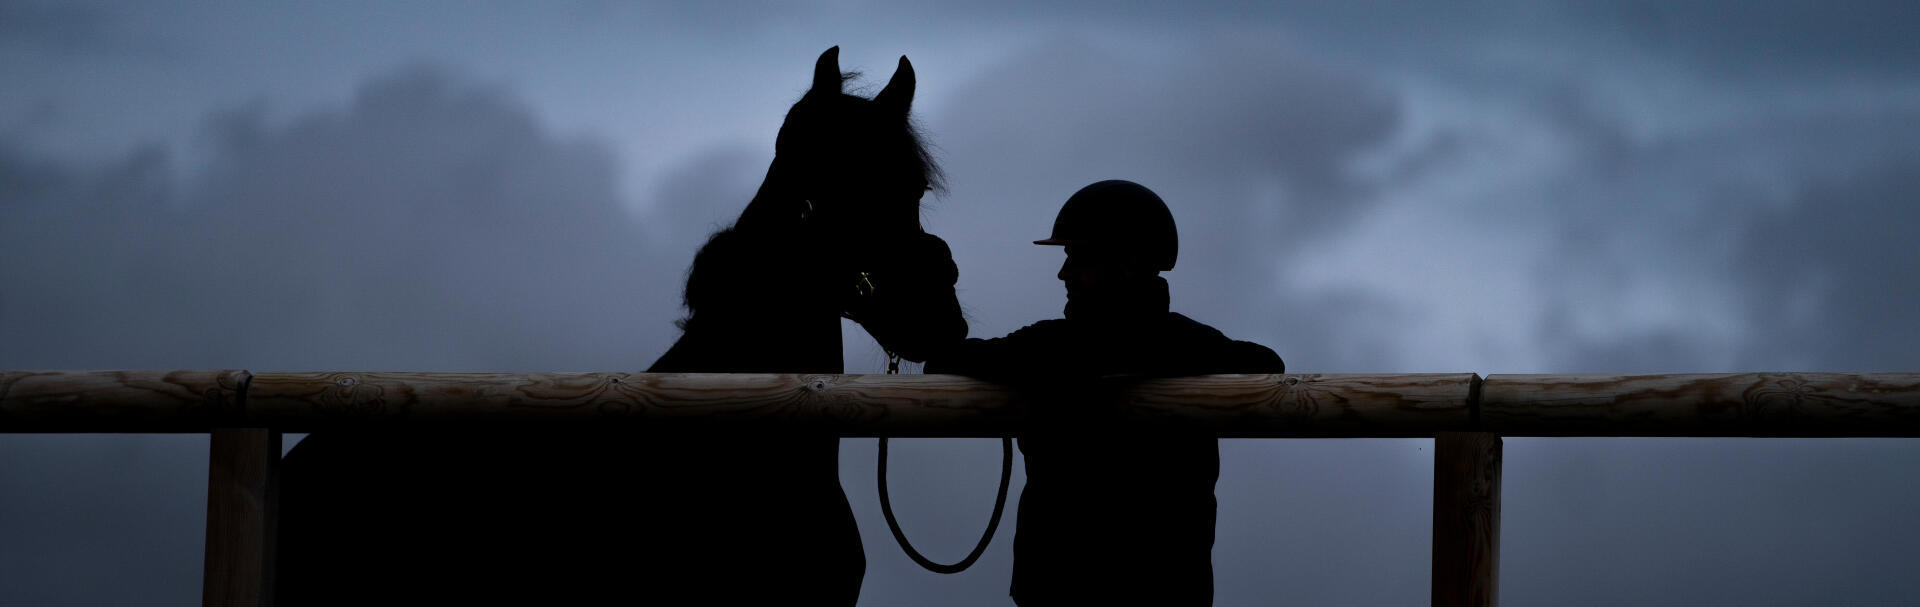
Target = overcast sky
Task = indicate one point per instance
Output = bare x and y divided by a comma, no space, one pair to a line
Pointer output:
1576,187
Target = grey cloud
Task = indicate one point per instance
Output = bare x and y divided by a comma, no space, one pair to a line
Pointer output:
1829,279
1251,144
1797,218
1800,220
62,26
701,195
62,32
401,233
1209,112
430,225
1767,39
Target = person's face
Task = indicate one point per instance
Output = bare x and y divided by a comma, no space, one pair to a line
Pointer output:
1093,270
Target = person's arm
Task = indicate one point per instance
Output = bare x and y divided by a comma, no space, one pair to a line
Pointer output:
998,359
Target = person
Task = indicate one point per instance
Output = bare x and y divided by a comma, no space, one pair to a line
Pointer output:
1112,512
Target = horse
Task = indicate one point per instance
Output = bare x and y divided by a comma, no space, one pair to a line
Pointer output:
685,518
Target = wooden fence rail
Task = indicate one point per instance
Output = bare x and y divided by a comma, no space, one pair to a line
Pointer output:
246,412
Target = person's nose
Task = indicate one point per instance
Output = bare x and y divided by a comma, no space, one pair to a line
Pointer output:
1066,270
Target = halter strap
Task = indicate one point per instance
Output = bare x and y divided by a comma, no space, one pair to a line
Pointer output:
993,523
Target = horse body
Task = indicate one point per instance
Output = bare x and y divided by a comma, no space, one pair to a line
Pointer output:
561,516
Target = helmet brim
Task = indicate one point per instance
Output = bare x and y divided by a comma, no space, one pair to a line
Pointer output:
1058,242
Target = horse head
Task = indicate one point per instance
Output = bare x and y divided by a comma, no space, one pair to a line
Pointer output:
845,163
849,173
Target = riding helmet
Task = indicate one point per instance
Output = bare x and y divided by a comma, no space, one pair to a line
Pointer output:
1119,215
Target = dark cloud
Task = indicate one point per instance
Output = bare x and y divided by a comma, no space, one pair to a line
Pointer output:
63,32
1790,229
1766,39
1253,144
1781,232
1250,143
60,26
432,224
1828,280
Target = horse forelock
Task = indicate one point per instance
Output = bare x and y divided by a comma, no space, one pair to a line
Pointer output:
847,168
834,143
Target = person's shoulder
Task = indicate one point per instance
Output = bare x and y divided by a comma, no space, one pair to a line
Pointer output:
1191,328
1041,330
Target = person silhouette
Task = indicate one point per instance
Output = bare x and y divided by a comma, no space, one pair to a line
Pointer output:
1112,513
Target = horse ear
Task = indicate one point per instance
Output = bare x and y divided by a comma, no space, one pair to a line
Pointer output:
826,72
899,91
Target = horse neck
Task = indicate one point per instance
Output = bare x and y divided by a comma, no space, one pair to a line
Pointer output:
775,206
754,342
769,308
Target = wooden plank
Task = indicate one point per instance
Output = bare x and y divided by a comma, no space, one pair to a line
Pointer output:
118,401
852,405
242,487
1466,519
858,405
898,405
1331,406
1308,406
1731,404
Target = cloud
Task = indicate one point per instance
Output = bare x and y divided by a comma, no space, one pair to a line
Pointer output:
1257,147
1573,187
1768,38
64,27
1760,245
1253,144
1763,239
1828,280
432,224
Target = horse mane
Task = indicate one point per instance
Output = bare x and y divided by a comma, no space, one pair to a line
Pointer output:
727,264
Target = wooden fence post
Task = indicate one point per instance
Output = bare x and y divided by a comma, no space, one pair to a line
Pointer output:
242,488
1466,519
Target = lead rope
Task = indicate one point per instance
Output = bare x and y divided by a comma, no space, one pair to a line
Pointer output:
999,501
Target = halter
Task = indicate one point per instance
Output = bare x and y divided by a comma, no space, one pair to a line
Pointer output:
864,287
993,523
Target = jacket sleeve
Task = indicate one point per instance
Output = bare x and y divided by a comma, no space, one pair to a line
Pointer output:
999,359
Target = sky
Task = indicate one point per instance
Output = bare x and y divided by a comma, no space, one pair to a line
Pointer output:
1489,187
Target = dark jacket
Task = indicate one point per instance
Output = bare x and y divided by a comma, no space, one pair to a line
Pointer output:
1111,514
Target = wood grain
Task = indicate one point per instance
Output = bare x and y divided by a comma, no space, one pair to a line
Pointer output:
242,504
119,401
1736,404
852,405
1332,406
1466,519
856,405
1311,405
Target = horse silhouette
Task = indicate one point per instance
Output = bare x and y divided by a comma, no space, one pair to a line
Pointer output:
538,515
834,230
